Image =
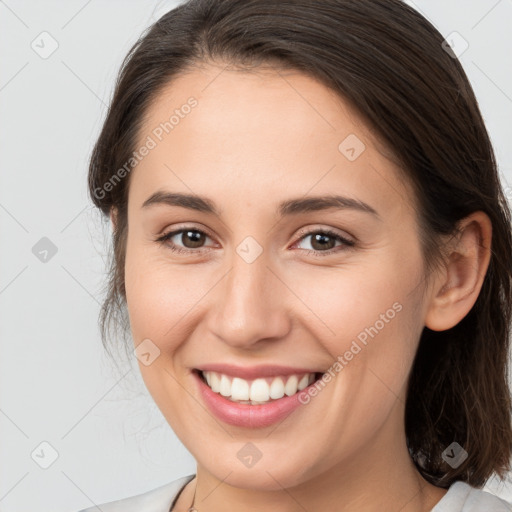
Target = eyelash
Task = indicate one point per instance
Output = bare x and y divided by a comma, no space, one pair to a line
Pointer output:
347,243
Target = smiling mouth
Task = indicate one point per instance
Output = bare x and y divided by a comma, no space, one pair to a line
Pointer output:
259,391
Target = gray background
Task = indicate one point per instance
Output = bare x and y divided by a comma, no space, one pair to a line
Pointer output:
108,438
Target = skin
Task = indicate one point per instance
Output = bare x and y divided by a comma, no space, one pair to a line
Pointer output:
254,140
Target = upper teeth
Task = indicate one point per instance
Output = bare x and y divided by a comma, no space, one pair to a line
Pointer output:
258,390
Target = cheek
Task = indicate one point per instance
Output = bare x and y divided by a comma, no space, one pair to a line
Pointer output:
368,318
164,300
357,301
373,327
152,292
159,296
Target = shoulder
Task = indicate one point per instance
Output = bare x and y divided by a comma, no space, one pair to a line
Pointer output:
462,497
159,499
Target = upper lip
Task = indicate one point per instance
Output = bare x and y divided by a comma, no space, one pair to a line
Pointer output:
253,372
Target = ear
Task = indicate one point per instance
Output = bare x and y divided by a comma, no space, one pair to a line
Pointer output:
113,217
459,283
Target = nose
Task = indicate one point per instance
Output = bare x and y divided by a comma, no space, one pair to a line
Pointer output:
249,305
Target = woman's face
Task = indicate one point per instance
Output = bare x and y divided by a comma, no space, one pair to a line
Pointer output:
264,280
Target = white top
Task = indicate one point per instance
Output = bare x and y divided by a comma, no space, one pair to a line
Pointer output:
460,497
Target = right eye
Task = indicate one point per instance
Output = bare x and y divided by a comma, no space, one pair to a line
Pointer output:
191,239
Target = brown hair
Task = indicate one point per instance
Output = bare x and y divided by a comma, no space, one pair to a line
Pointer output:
389,63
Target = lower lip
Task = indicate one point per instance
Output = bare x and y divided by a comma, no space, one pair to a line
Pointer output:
246,415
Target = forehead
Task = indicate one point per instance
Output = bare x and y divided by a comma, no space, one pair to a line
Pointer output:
217,130
261,99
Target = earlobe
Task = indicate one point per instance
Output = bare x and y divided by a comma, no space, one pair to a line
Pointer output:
461,280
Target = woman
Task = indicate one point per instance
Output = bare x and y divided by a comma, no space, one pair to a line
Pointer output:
313,250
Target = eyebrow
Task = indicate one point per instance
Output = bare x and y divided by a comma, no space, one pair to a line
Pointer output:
288,207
